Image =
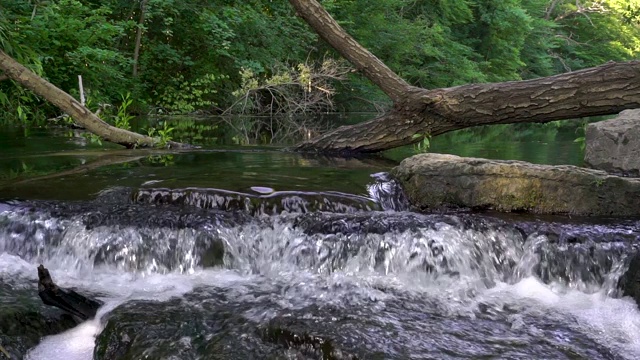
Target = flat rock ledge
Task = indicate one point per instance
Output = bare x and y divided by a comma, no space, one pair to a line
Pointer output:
437,181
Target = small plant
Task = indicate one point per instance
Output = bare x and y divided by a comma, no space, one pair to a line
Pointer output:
123,119
424,144
582,139
163,135
93,138
22,114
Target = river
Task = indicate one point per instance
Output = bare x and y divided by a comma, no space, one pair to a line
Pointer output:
233,252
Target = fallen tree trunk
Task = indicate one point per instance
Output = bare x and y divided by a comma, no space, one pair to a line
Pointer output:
603,90
25,77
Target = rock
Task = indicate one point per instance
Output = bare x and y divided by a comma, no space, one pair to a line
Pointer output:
270,204
629,282
614,145
206,324
24,320
437,181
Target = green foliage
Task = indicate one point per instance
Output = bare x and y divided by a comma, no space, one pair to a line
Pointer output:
198,55
182,96
163,135
423,145
581,140
93,138
123,119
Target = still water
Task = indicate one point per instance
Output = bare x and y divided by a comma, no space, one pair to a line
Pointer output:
234,252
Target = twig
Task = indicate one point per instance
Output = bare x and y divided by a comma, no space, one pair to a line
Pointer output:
5,352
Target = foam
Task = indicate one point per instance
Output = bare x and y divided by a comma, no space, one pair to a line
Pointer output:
614,323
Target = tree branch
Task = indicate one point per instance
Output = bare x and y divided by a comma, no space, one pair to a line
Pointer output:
550,9
77,111
603,90
374,69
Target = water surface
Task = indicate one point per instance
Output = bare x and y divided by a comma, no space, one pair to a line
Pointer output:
253,252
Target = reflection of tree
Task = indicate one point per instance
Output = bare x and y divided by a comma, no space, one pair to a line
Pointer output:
117,157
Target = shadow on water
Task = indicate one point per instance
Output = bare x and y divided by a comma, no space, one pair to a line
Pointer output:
253,252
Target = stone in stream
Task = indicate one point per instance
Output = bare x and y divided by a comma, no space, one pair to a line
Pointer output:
205,324
437,181
629,283
614,145
269,204
24,319
220,323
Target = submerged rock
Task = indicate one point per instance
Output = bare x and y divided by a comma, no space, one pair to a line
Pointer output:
377,324
205,324
614,145
270,204
437,181
24,320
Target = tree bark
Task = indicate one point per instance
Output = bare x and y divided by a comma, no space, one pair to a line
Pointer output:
68,300
77,111
329,30
603,90
136,50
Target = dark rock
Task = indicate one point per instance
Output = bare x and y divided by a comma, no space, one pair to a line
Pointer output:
436,181
630,282
271,204
202,325
213,324
24,320
614,145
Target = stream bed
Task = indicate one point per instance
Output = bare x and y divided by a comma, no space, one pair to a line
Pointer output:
263,254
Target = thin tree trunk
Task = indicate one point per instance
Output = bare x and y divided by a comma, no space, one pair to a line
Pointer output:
136,50
417,112
329,30
550,9
71,106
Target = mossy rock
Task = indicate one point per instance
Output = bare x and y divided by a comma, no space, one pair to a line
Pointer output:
436,181
24,320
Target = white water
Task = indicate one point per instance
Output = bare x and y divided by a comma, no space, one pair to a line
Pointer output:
266,257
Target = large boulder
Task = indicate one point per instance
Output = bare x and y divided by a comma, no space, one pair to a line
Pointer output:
614,145
436,181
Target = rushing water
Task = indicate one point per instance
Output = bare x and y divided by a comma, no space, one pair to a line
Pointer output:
288,281
264,254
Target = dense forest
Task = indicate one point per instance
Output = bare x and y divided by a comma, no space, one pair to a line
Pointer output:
257,56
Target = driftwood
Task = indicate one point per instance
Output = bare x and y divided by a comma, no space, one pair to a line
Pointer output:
67,300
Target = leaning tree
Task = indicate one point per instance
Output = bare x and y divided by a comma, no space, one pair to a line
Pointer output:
12,69
418,112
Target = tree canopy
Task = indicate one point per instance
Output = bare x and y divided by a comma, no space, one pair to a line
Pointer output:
196,55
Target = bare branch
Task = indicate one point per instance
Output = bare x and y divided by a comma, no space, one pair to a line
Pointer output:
551,8
372,67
